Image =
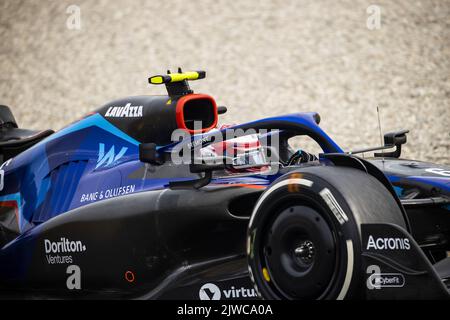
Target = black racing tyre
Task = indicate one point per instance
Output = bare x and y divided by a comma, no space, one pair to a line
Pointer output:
304,238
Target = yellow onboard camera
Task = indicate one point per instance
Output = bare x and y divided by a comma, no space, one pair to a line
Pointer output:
177,77
177,83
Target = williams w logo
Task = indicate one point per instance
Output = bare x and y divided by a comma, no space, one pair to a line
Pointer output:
110,157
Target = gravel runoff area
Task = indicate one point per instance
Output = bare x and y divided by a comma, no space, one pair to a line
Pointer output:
263,58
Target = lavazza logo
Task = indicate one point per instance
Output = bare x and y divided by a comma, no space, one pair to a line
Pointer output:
210,291
128,111
60,252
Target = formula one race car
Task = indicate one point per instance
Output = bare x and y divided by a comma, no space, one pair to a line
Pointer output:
148,197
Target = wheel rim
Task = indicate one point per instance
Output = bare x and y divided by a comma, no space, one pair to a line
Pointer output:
300,254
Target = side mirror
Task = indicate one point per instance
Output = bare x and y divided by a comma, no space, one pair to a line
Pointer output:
221,109
394,139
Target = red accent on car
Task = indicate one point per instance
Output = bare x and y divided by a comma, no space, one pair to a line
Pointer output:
180,112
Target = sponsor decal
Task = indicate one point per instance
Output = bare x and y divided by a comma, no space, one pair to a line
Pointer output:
331,201
107,194
74,280
105,159
439,171
378,280
210,291
388,243
127,111
60,252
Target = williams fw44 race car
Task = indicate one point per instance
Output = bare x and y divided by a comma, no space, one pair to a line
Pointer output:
148,198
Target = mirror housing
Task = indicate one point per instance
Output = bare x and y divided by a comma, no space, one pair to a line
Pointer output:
393,139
